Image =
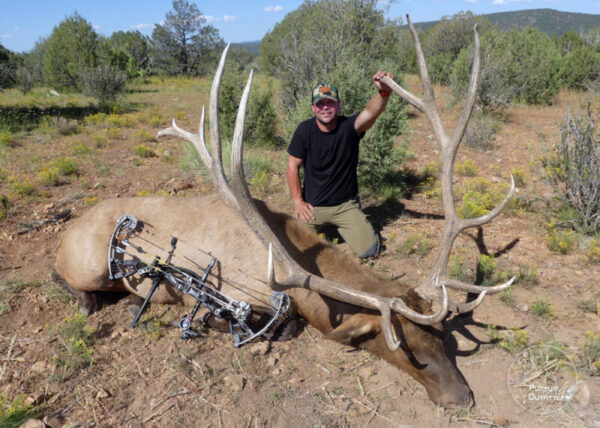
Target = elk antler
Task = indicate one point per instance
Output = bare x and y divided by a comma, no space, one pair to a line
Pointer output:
236,195
453,225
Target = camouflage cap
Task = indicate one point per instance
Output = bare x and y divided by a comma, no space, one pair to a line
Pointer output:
325,90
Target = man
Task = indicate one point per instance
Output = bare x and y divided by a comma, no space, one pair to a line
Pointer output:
327,147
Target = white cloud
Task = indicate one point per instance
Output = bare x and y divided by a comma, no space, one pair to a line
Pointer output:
16,29
6,36
471,1
273,9
96,27
229,18
210,18
141,26
503,2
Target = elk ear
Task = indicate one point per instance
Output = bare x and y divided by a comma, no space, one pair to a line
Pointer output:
354,327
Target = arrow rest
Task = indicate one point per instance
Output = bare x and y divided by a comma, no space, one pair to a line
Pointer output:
124,263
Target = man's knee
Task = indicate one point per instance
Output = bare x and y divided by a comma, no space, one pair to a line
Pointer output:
372,250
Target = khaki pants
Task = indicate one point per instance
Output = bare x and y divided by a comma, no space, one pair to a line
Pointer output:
352,225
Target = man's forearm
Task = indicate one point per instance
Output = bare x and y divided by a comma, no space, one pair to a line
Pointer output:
293,179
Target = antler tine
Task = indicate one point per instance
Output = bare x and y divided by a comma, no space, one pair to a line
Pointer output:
431,110
216,168
461,127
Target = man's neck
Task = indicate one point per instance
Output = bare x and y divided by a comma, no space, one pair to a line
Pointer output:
327,127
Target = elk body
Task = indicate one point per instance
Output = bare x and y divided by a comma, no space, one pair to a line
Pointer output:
342,299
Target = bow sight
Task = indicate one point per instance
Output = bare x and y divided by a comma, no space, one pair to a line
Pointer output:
124,263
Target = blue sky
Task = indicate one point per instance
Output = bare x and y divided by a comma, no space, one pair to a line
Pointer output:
23,22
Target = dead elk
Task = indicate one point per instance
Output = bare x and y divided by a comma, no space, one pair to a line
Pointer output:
339,297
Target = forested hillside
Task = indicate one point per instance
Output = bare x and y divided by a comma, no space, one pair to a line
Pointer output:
549,21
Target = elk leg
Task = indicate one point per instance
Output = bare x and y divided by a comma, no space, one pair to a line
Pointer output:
86,300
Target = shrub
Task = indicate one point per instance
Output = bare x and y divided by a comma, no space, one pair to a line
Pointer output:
48,176
543,309
512,341
515,67
66,166
593,253
23,80
590,350
486,266
6,138
80,148
15,412
480,196
77,339
573,168
105,83
527,277
457,269
466,168
21,186
416,244
519,177
65,126
579,68
560,240
144,151
113,133
144,135
481,131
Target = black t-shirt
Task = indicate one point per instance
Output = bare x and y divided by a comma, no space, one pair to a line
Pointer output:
330,161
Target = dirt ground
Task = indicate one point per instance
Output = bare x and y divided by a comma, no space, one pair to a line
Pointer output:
150,377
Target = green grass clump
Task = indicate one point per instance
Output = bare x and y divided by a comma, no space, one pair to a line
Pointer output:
14,412
48,176
542,308
100,140
21,186
66,166
77,340
466,169
457,268
144,151
80,148
415,244
113,133
590,350
527,277
144,135
6,138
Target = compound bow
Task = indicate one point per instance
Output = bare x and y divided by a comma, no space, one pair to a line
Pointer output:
123,263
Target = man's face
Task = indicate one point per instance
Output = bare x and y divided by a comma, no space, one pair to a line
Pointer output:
326,110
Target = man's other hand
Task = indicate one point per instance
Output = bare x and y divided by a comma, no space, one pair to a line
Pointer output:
304,211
